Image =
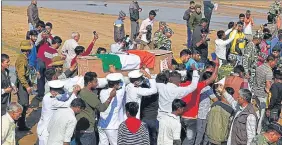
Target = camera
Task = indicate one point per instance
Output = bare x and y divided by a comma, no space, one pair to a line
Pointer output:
94,32
127,42
45,31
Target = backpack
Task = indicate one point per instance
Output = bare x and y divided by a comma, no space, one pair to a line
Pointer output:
218,122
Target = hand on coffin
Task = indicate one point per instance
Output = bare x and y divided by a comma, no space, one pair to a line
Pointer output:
112,69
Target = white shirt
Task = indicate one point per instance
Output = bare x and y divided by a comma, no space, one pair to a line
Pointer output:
61,126
143,30
228,31
134,94
169,130
251,120
220,46
8,134
68,50
168,92
112,117
49,106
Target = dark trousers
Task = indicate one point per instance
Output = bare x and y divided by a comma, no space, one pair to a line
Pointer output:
134,29
23,99
41,81
208,16
153,128
191,131
189,37
5,100
3,108
85,138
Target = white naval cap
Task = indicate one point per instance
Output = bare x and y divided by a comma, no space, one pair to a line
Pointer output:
56,84
114,76
135,74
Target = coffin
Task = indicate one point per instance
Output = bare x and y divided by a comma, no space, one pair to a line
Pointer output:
92,63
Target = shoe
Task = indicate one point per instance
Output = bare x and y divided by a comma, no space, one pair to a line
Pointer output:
25,128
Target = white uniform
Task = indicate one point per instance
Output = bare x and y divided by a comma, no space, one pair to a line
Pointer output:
111,118
49,106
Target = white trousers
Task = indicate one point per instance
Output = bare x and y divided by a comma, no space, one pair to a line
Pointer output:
42,139
107,136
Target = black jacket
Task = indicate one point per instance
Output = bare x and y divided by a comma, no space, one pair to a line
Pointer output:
208,7
276,96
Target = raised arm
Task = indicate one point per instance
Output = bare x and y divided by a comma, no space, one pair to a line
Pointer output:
181,92
148,91
214,74
231,38
230,100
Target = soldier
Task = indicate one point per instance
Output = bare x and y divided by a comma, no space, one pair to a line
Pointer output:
134,11
119,32
270,137
166,42
250,57
275,8
271,25
159,34
23,82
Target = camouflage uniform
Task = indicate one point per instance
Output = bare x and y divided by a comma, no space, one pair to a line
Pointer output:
261,140
273,29
158,37
250,58
279,64
166,42
275,7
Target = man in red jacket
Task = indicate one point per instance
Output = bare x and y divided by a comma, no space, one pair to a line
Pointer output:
44,58
192,100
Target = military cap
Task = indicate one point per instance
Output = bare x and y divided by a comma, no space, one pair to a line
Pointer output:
277,127
162,23
168,30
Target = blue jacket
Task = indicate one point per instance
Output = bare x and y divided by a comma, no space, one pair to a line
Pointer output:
32,58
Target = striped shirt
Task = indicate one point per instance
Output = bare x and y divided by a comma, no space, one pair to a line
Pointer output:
125,137
263,73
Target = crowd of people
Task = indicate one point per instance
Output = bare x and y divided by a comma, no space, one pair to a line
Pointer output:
234,98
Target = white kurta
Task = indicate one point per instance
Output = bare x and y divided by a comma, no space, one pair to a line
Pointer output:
8,133
49,106
68,50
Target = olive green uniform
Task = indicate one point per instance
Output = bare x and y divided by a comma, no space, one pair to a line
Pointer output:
261,140
23,82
